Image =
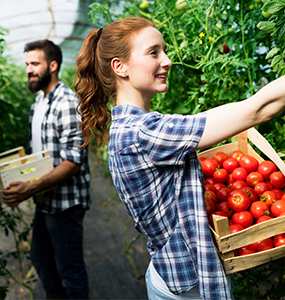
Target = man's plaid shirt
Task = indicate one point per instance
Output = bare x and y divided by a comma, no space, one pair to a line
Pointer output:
159,178
61,136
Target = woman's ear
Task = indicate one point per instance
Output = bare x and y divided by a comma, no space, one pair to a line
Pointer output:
118,67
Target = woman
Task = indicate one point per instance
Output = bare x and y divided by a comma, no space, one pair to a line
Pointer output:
152,157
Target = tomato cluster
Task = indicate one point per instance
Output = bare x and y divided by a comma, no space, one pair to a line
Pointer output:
246,192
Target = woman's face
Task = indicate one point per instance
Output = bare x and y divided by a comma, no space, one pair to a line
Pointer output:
148,65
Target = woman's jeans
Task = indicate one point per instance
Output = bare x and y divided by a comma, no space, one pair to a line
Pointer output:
57,252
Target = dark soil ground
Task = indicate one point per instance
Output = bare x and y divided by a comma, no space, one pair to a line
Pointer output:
111,275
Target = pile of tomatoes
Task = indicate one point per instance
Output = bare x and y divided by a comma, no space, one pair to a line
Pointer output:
246,192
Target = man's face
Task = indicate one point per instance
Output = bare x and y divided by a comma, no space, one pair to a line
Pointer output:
37,70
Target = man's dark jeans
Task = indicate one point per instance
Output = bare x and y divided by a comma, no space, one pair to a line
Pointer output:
57,252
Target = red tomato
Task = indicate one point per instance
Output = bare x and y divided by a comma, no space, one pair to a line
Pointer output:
210,187
209,166
222,194
253,178
265,168
230,180
258,209
210,180
277,179
263,218
237,154
269,197
245,250
210,206
248,162
243,218
282,214
220,157
279,240
224,206
236,228
218,213
211,196
253,196
219,185
221,175
237,185
269,184
261,187
279,193
201,158
278,208
263,245
238,200
283,197
239,174
230,164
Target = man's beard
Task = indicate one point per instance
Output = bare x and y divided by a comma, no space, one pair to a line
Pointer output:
41,83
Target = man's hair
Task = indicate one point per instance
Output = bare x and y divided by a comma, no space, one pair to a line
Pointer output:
51,51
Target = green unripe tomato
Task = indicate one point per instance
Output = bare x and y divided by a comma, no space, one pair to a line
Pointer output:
266,14
144,4
180,4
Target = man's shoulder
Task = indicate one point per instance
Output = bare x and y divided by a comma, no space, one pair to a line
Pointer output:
65,93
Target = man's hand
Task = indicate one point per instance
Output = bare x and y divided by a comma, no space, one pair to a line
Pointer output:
16,192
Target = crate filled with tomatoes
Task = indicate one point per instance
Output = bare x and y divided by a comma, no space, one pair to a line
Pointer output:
245,201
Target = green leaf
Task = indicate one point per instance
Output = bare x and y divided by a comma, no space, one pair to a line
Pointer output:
273,6
249,60
272,52
266,26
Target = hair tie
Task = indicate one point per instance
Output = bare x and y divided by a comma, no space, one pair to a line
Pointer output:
99,32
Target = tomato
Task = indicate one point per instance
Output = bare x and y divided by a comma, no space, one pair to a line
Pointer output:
243,218
238,200
219,185
230,180
248,162
282,214
253,196
220,157
245,250
218,213
258,209
269,197
278,207
211,196
279,240
283,197
210,180
237,185
263,245
221,175
261,187
239,174
253,178
224,206
269,185
210,187
210,206
265,168
236,228
237,154
230,164
222,194
201,158
209,166
263,218
265,14
277,179
279,193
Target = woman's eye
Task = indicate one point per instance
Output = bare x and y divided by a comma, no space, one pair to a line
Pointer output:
153,52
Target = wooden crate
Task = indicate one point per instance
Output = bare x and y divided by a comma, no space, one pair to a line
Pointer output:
16,166
226,242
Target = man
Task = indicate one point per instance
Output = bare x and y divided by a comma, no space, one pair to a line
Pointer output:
56,250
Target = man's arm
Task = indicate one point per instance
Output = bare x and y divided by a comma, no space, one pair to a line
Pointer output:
24,190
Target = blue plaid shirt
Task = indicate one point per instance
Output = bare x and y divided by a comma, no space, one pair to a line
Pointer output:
61,136
158,177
